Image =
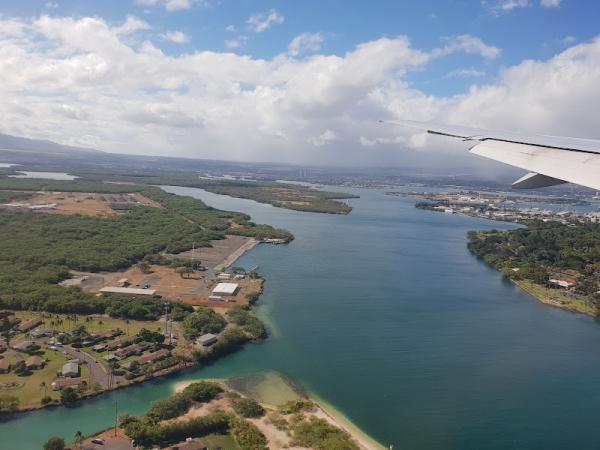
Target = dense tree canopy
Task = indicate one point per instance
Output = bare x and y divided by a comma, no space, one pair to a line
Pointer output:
39,250
544,250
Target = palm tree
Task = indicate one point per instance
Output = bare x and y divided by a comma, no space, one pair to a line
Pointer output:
79,438
44,386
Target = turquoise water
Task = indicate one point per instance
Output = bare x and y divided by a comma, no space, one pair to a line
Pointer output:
385,315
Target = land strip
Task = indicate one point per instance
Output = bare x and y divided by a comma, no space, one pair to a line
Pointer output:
69,266
558,264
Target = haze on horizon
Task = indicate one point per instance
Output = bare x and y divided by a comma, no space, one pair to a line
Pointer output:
283,82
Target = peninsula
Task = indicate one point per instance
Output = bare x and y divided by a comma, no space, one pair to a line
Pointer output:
554,262
98,292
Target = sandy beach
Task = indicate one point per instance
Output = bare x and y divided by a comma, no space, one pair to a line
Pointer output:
276,438
335,417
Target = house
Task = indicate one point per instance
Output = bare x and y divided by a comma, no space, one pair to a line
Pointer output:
99,347
35,362
98,337
190,444
127,366
22,346
111,358
70,370
152,357
206,340
563,282
135,349
118,343
24,327
226,289
224,276
39,333
68,382
4,365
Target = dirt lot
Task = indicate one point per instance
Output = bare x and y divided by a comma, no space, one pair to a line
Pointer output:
194,289
84,203
217,256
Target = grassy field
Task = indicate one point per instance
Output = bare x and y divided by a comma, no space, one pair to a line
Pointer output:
555,297
224,442
93,324
32,391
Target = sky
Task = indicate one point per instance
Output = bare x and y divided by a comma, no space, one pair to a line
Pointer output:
296,81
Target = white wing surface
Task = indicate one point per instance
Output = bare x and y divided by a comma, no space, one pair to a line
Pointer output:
550,160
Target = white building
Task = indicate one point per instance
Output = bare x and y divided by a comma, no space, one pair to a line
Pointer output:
226,289
207,339
127,291
70,369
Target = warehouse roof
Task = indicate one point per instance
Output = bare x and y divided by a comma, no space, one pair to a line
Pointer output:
127,291
225,289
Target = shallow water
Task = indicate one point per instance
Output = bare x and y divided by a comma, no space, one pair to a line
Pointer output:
384,314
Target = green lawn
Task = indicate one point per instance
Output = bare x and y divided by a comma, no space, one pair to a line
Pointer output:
31,393
224,442
63,323
556,295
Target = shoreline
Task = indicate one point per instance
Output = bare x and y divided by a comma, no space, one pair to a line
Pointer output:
571,305
170,371
237,254
341,421
325,411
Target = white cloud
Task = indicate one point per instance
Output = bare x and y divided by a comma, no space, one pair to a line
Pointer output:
550,3
50,5
498,7
169,5
469,44
177,5
465,73
305,42
262,21
238,42
231,28
177,37
366,142
81,81
325,137
131,25
568,40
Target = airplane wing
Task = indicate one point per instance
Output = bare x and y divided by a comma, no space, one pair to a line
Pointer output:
550,160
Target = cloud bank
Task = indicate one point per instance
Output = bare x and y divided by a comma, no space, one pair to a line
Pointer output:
83,81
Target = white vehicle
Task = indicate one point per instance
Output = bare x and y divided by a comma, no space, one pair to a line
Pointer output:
550,160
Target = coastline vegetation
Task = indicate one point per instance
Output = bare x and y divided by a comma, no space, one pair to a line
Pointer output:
544,251
39,250
284,195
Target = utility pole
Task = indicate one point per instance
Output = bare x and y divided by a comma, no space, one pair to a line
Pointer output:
167,321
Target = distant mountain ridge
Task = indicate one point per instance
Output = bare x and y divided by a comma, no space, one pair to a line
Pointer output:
9,142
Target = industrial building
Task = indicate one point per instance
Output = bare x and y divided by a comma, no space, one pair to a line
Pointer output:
226,289
128,291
